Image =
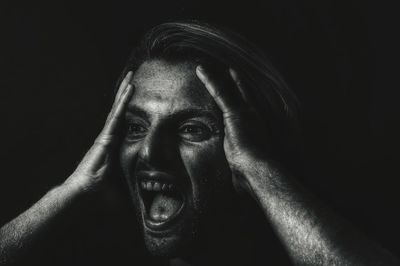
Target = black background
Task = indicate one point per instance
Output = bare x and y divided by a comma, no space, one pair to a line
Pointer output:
59,62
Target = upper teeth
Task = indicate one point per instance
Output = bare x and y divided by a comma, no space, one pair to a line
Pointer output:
156,186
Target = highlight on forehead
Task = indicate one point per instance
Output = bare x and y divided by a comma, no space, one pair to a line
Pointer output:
160,75
164,88
162,69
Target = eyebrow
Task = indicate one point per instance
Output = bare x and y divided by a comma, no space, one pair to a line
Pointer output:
179,114
137,111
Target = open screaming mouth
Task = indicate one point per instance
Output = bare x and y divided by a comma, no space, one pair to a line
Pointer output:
162,202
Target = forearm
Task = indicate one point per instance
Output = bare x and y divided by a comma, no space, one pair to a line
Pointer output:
17,236
311,233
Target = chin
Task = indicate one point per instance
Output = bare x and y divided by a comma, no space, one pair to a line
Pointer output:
176,241
166,247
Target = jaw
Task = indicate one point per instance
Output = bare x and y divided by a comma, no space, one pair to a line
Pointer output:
166,217
173,240
192,213
170,246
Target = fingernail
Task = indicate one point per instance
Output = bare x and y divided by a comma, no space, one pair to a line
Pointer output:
200,71
200,68
129,76
233,73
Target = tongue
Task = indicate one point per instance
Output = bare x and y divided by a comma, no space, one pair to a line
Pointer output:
164,206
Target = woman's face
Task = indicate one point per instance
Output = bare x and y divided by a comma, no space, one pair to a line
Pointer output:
172,156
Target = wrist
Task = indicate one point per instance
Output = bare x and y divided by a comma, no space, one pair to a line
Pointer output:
250,166
260,175
75,186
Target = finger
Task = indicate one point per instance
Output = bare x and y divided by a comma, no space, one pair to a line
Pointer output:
228,99
100,160
123,85
116,113
235,76
95,158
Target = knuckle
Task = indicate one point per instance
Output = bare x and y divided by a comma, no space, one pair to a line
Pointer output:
240,114
231,116
239,82
104,140
217,93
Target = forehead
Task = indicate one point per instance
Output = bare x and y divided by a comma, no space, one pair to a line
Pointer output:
163,87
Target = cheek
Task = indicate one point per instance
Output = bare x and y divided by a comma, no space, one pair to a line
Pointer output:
206,166
128,157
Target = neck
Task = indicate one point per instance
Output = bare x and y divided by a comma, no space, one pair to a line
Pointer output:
219,253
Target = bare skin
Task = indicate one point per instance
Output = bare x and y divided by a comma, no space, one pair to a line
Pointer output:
20,234
311,234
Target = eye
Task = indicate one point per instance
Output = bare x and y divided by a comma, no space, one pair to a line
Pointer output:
194,132
135,131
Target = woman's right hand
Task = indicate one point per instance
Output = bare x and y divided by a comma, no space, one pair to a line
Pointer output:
92,170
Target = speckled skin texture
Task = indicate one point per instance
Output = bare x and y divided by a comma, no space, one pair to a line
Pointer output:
168,98
181,121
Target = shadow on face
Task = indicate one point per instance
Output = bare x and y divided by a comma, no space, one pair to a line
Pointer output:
172,157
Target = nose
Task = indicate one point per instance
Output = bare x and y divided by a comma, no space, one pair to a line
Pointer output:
159,149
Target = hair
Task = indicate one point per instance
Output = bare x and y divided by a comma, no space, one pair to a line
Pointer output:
217,47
